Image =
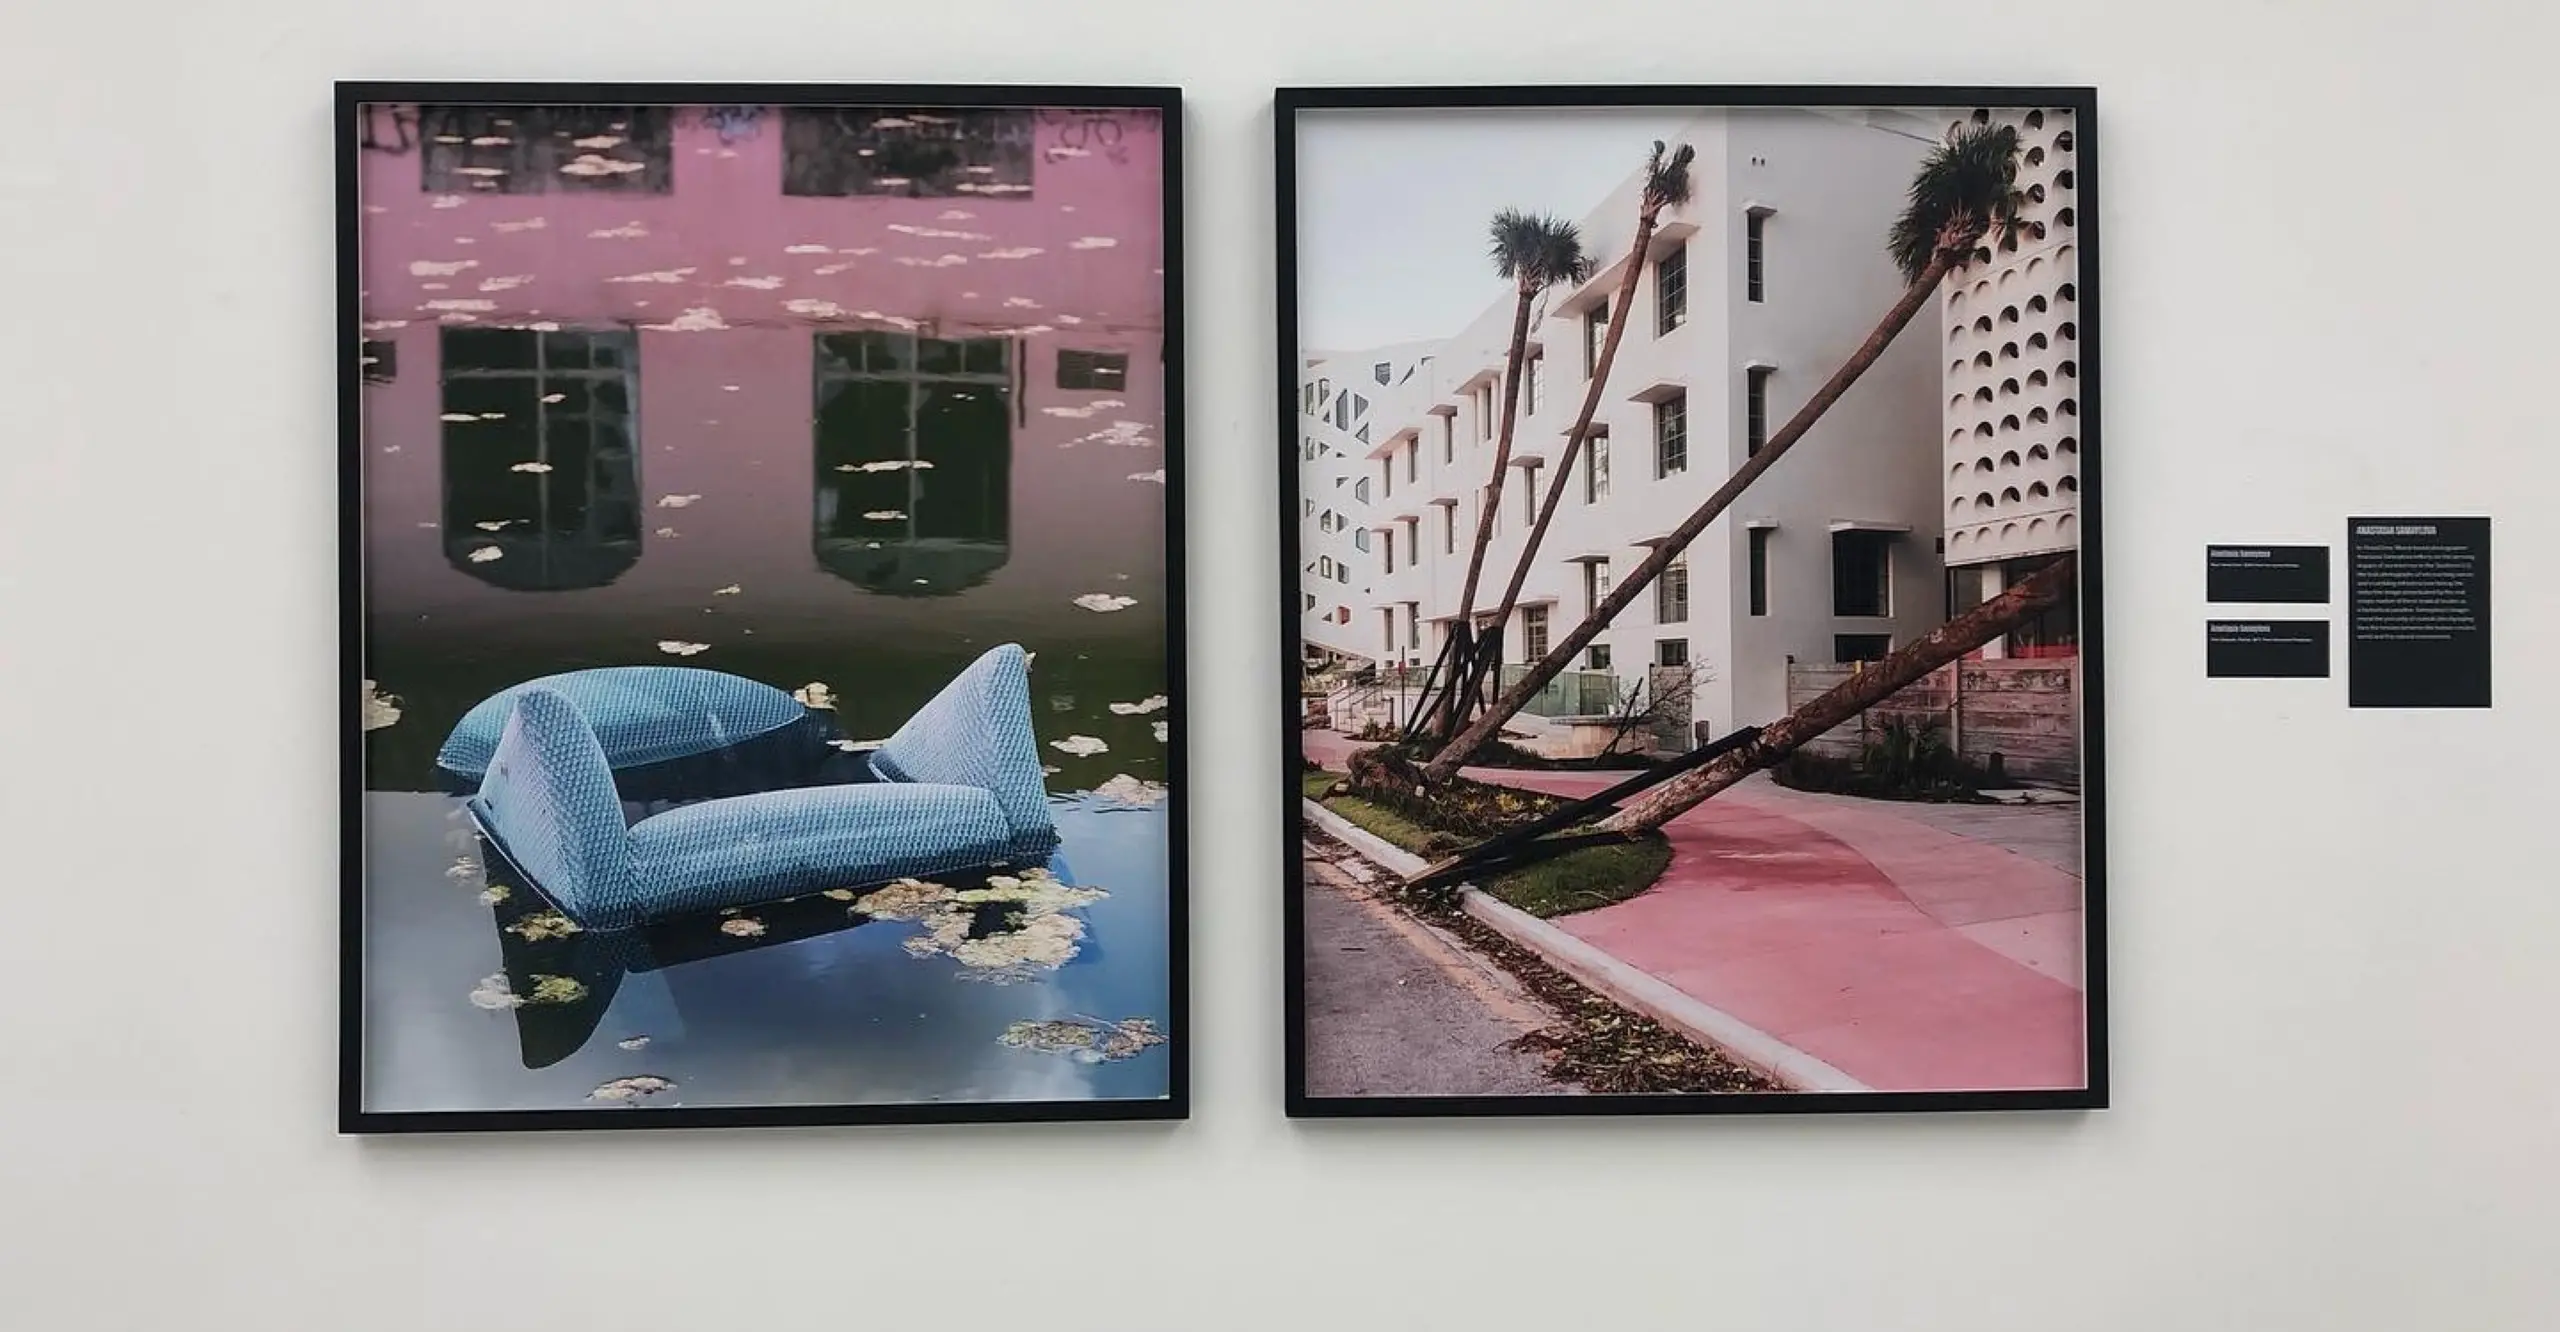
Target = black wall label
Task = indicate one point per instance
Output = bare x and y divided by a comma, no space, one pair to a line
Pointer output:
2418,613
2266,649
2266,574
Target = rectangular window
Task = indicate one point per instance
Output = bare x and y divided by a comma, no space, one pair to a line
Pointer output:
1360,539
1671,594
1484,414
1671,436
1380,371
1387,548
1755,256
840,152
1448,529
1387,475
1759,571
1412,461
1671,652
1533,633
1413,625
1755,410
1595,467
538,448
1595,584
546,149
1861,575
1535,369
1528,498
1078,369
1360,491
380,361
1671,291
1594,658
1449,439
1860,647
1595,326
1387,629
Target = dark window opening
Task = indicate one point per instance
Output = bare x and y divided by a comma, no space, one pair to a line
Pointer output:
546,149
541,479
1861,574
380,360
1092,369
1860,647
1671,652
1755,256
914,461
1671,291
1755,410
834,152
1759,571
1671,436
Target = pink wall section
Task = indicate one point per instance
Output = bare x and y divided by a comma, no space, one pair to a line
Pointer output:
726,391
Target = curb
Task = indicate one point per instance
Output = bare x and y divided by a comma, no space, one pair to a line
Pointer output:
1629,986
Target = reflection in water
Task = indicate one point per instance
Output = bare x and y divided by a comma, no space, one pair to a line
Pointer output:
541,486
914,460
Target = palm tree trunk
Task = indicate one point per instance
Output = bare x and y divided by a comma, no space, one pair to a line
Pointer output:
1600,366
1918,293
1871,685
1501,453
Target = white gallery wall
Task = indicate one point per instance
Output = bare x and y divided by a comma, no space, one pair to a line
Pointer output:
2335,936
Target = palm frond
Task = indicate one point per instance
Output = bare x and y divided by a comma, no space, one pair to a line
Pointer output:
1537,250
1965,189
1666,175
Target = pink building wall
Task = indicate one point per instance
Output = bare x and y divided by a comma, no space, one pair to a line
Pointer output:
727,280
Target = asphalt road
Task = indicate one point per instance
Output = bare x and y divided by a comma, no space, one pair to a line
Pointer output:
1395,1008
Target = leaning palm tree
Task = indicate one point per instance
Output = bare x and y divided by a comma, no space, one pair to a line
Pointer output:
1534,251
1964,192
1666,185
1872,684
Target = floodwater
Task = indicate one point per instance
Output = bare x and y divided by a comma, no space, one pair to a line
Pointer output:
725,409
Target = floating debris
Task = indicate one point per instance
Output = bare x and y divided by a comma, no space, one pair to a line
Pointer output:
937,233
938,261
528,224
667,532
633,1043
1013,252
437,268
458,304
1104,602
1092,243
544,925
666,275
507,283
888,465
494,894
1021,303
380,709
814,309
537,468
495,994
384,325
1082,746
463,867
1133,791
632,1089
807,249
676,501
445,201
1086,1040
675,647
904,899
856,746
699,319
730,591
557,990
1156,476
485,554
1041,943
743,927
838,894
1034,890
884,515
627,231
1164,732
590,164
815,694
597,142
754,283
1151,703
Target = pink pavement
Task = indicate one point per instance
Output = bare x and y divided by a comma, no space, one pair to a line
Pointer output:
1908,957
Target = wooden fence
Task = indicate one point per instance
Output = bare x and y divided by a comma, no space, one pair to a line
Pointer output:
2025,711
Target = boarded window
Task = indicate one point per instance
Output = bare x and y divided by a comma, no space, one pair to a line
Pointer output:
546,149
914,458
1093,369
380,361
832,152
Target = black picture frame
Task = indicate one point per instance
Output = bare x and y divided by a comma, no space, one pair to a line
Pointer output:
351,97
1290,104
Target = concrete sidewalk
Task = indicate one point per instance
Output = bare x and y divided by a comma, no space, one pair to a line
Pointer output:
1914,947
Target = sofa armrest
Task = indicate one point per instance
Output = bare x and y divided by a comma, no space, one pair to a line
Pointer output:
977,732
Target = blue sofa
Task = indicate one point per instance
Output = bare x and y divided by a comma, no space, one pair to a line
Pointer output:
957,788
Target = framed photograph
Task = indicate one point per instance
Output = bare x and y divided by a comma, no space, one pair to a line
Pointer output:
762,605
1690,587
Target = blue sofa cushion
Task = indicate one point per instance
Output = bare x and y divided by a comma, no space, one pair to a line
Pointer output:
549,803
757,848
641,715
977,732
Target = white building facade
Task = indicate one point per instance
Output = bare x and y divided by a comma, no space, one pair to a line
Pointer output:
2011,368
1749,297
1339,401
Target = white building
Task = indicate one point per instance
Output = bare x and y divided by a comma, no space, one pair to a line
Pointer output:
2012,383
1339,398
1750,296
